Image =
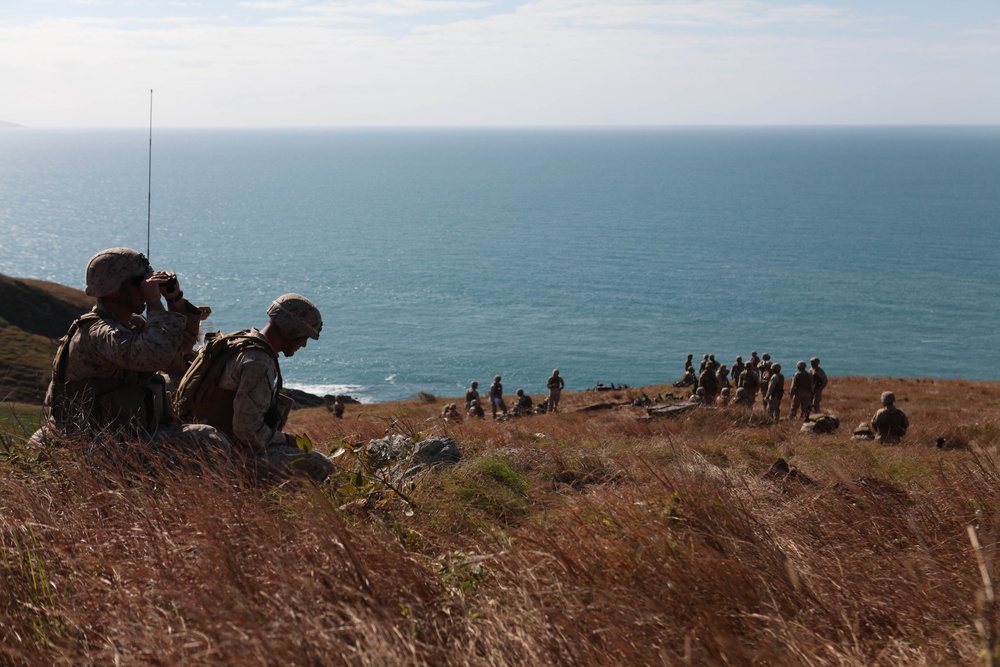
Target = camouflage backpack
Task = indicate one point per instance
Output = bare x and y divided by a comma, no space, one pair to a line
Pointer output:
202,376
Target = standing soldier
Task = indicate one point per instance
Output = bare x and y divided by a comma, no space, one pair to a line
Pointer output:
555,384
750,381
765,373
819,383
723,375
496,397
105,373
889,423
471,394
709,381
801,392
235,385
775,392
737,370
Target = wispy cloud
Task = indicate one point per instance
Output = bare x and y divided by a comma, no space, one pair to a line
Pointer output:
493,63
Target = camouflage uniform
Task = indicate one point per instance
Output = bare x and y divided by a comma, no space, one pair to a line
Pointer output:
801,392
703,365
496,397
724,397
245,403
689,379
820,382
750,382
743,397
737,370
524,405
105,380
889,423
471,394
555,383
709,381
723,377
775,392
765,375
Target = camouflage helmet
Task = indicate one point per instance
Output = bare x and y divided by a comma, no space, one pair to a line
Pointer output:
814,361
801,365
776,367
108,269
296,316
888,397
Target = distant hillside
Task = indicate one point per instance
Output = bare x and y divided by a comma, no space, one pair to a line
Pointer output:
6,124
34,314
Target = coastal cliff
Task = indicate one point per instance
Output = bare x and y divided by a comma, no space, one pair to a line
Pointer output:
34,314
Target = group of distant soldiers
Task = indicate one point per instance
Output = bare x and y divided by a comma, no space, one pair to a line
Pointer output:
524,405
712,384
127,372
126,375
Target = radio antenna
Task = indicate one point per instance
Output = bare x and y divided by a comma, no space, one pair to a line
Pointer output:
149,184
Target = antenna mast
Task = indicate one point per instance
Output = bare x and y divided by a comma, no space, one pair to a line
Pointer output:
149,184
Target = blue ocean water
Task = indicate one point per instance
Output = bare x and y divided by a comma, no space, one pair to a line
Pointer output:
444,256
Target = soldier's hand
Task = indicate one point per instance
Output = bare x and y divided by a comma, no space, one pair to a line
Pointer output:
167,283
151,289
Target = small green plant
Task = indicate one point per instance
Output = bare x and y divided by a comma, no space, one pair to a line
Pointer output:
27,581
498,470
425,396
461,571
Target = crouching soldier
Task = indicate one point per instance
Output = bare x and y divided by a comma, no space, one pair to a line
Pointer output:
524,406
105,375
476,410
890,423
235,385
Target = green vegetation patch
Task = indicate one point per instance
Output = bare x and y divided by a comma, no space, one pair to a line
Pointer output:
491,486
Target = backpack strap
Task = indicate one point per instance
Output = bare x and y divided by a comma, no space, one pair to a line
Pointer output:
59,362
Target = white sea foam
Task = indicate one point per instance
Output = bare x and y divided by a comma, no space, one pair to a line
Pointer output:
353,390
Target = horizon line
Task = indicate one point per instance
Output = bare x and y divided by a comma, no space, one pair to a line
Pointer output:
541,126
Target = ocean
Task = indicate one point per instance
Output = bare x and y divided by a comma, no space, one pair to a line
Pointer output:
443,256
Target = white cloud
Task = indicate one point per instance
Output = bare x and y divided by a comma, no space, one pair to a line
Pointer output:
561,62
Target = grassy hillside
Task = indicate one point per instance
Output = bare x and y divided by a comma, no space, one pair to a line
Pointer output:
584,538
34,314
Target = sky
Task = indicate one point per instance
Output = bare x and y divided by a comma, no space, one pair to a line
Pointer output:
490,63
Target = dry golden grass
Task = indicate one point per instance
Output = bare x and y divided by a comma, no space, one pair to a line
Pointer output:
576,538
